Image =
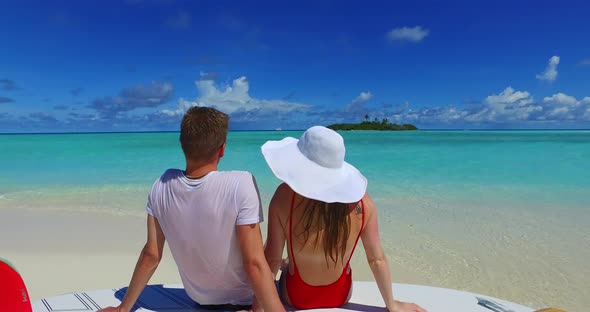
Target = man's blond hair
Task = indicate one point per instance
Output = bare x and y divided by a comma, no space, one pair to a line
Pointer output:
203,131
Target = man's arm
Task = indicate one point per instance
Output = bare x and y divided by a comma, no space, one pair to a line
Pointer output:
147,263
262,280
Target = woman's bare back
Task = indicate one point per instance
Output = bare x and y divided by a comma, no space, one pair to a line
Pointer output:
314,267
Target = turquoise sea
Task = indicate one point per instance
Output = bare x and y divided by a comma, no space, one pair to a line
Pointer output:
505,213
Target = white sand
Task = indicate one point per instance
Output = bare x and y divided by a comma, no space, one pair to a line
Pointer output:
62,252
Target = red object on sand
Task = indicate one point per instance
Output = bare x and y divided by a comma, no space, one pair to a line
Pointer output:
13,293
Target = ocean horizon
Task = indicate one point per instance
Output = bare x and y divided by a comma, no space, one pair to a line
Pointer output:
295,130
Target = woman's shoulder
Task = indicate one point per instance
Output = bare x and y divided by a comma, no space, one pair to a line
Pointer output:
283,192
368,204
283,189
282,197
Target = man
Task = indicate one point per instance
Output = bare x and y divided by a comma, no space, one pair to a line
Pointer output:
211,220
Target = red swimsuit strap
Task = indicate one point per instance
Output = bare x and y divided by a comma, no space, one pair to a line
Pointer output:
291,233
359,236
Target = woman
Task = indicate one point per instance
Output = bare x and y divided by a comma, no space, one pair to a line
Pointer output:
321,210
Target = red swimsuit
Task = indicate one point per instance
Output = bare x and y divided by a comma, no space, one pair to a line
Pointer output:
305,296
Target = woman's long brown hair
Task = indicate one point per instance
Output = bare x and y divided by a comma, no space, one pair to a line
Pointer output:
333,219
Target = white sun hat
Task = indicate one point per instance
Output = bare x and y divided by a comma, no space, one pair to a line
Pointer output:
314,166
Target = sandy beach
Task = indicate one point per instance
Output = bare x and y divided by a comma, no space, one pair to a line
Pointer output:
62,252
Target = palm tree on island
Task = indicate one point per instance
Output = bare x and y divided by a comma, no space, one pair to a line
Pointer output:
376,124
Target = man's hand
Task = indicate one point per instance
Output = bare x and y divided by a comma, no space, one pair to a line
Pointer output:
113,309
256,307
399,306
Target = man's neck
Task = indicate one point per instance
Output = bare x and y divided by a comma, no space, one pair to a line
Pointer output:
196,171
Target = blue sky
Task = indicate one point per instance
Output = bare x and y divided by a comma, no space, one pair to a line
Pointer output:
137,65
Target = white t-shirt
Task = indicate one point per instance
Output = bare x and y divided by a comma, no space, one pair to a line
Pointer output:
199,218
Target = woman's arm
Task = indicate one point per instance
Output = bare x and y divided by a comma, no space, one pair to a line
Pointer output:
378,261
275,238
266,296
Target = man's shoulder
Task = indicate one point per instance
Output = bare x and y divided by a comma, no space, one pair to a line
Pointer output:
169,174
158,188
235,174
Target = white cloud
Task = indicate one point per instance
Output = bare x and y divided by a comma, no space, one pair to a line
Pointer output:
508,105
550,73
587,113
358,102
363,97
412,34
561,99
446,114
509,97
565,107
235,99
585,62
183,106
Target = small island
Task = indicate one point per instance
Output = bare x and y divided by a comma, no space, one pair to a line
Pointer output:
382,125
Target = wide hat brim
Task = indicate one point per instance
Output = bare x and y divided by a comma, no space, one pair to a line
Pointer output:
343,185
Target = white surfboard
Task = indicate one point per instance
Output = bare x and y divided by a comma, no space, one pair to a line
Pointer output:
365,297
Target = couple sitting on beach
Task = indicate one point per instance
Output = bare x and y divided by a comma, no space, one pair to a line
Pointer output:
211,221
